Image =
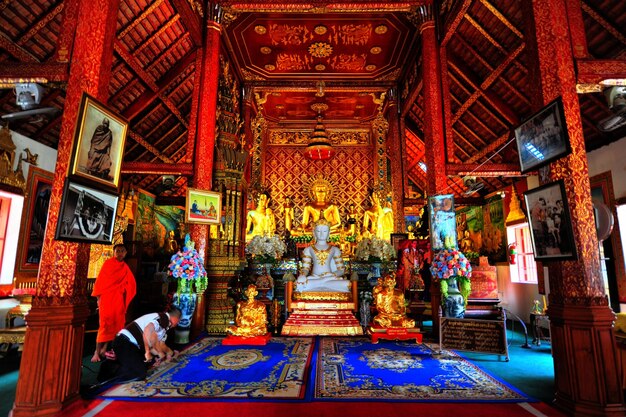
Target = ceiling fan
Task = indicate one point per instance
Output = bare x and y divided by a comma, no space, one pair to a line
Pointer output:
27,97
616,98
472,185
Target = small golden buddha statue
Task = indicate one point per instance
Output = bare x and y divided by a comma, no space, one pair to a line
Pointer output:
251,318
261,221
377,220
391,306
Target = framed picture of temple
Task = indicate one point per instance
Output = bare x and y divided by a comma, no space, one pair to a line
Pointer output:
543,137
551,229
442,222
87,215
98,143
203,206
34,220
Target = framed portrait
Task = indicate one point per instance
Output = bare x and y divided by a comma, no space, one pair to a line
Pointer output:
86,215
442,222
98,143
203,206
543,137
34,220
397,238
550,222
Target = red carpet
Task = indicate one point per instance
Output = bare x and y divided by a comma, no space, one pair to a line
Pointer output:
108,408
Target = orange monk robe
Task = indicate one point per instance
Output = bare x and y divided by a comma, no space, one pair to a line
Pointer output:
116,287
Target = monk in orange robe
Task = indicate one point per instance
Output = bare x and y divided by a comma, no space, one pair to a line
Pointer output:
115,287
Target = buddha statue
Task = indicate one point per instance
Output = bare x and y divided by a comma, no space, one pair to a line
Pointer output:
251,318
288,211
322,264
260,221
320,193
377,220
391,306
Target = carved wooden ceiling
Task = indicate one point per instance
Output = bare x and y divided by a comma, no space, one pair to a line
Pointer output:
358,50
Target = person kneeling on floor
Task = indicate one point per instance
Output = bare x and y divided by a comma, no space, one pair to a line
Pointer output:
141,341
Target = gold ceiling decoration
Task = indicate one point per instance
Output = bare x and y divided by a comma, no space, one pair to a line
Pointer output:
320,50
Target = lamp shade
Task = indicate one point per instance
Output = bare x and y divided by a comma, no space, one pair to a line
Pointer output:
319,147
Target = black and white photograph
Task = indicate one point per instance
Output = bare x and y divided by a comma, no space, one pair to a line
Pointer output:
87,215
543,137
550,224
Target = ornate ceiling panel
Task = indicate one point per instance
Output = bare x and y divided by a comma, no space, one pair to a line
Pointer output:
313,46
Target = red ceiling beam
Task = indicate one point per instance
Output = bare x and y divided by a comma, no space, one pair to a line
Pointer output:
191,20
484,170
592,71
15,50
147,98
148,80
51,72
455,20
155,168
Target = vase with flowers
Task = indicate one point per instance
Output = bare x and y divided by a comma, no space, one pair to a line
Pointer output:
265,251
453,271
378,253
187,267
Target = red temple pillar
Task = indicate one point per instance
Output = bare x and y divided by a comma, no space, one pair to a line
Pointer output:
394,150
205,146
587,379
434,135
52,356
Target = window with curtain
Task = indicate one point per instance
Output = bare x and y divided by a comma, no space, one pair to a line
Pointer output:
525,268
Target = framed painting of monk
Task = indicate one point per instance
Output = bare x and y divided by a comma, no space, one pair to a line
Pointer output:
98,143
203,207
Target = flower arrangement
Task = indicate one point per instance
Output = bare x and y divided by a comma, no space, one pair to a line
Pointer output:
302,238
188,266
374,250
452,264
266,249
351,238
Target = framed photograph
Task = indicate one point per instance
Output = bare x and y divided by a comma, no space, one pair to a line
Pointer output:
397,238
203,206
87,215
442,222
98,144
543,137
550,225
34,220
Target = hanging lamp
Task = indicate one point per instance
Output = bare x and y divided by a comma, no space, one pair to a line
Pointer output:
319,147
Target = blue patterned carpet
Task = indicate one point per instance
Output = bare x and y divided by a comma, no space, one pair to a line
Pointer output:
346,368
355,369
210,370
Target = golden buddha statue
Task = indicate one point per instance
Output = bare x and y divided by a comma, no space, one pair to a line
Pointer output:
320,192
288,211
377,220
391,306
251,319
261,221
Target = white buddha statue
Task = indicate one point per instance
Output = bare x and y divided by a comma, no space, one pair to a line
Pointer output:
322,264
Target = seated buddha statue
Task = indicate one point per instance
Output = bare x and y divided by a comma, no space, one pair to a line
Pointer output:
377,220
321,207
251,318
391,307
322,264
261,220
